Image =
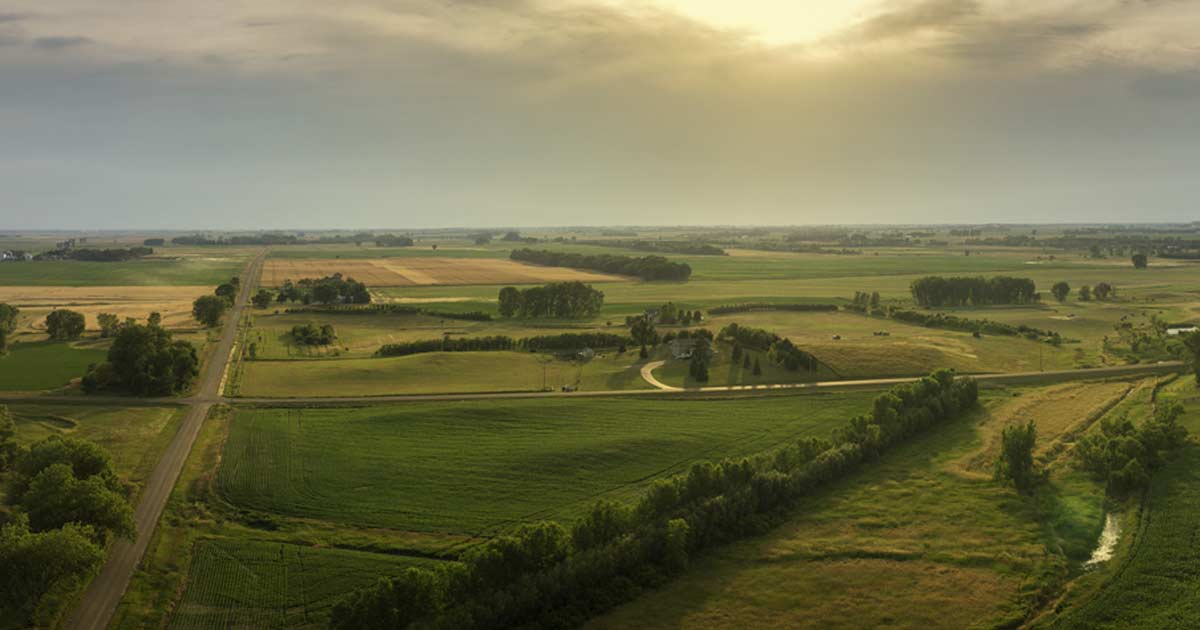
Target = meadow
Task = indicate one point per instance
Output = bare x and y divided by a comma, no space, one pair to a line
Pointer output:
911,541
479,467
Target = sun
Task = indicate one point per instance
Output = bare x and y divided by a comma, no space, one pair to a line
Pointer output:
776,22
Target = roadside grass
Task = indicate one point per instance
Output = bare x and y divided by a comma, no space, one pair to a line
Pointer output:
477,467
910,541
245,583
438,373
47,365
135,437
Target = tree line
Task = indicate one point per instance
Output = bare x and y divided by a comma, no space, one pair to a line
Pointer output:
933,291
545,575
8,324
565,341
779,350
556,299
863,303
65,504
692,248
97,255
645,267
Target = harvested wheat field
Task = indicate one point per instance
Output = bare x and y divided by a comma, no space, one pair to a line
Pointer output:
174,303
406,272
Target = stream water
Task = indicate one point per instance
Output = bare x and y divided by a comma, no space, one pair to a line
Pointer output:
1107,543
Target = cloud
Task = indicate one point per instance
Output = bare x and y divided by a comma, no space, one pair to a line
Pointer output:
59,42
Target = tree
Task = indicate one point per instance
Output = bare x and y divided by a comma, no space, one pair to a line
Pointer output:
325,293
1191,341
8,324
1060,291
698,366
1102,290
510,301
1085,293
207,309
108,324
1015,463
746,362
63,480
1139,261
8,439
146,361
62,324
643,333
228,291
737,352
262,299
154,319
757,367
38,570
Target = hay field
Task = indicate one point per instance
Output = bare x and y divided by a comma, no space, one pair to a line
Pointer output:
173,302
422,271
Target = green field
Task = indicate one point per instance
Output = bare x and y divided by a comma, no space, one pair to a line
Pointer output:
46,365
474,467
258,584
145,272
438,373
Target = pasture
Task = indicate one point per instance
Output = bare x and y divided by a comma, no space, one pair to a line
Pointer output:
478,467
438,373
910,541
47,365
244,583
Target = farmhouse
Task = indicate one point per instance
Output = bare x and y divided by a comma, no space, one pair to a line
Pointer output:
682,348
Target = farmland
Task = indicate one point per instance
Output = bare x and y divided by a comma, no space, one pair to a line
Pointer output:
174,303
425,270
145,272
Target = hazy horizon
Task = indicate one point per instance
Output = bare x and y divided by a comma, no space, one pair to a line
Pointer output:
426,113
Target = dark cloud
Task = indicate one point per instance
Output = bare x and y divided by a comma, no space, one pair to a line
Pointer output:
59,42
929,14
8,18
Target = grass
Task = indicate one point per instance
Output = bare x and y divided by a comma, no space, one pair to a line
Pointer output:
133,436
242,583
473,467
911,541
46,365
145,272
435,373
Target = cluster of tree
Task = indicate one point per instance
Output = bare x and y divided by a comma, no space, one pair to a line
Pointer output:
669,314
975,291
208,309
688,333
565,341
311,334
545,575
646,267
1139,261
154,242
701,357
1123,455
691,248
392,309
726,309
64,325
557,299
8,324
864,302
779,349
1142,337
333,289
145,360
97,255
393,240
262,299
65,503
1015,465
739,354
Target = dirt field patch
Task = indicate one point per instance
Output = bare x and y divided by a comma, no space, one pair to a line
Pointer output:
173,302
404,272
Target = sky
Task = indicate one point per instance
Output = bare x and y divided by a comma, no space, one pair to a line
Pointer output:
275,114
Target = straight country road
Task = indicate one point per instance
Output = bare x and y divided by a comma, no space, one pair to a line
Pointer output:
100,600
